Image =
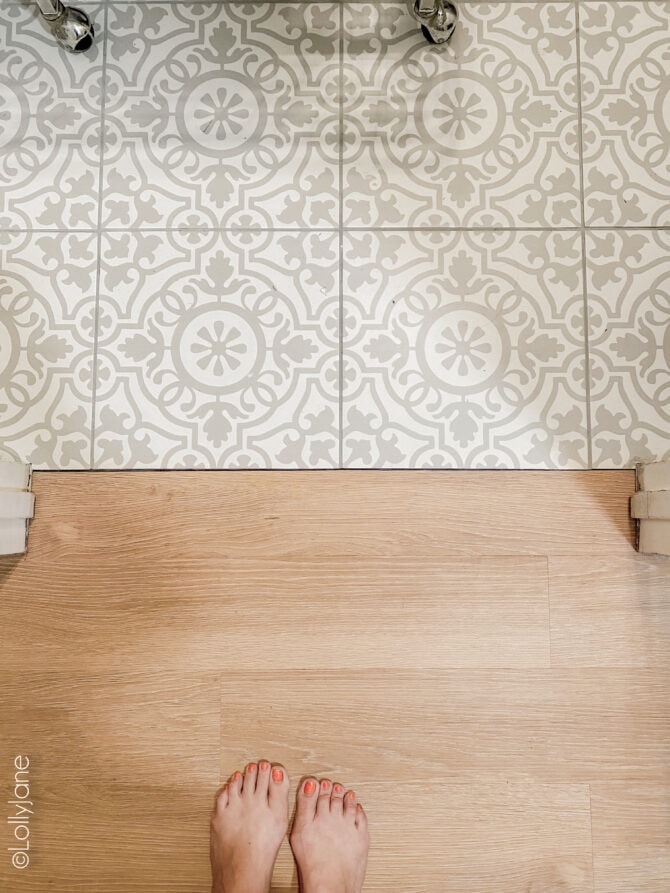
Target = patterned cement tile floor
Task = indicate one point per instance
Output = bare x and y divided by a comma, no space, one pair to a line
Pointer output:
296,235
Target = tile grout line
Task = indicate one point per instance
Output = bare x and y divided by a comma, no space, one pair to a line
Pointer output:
582,203
98,272
344,229
340,453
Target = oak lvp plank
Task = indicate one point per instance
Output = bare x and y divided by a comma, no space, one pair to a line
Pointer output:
610,610
129,837
547,727
230,615
631,836
317,515
156,727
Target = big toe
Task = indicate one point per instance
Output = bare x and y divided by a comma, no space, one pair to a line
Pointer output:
306,800
278,785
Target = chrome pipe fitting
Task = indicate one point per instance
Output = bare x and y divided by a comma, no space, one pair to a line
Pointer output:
71,27
437,18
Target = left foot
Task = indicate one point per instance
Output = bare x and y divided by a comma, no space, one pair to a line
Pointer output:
248,824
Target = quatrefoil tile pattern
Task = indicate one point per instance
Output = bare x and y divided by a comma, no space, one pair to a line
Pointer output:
297,235
218,350
222,115
50,126
465,350
626,113
486,137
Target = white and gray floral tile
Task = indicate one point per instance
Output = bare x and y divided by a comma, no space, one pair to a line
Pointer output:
629,344
222,115
47,336
486,137
50,123
464,350
218,349
626,113
296,235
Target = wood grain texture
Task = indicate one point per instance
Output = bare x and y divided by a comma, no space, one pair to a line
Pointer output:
482,656
215,616
610,610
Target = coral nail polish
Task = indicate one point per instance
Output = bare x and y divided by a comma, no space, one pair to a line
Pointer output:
251,767
310,787
325,785
338,788
264,765
277,775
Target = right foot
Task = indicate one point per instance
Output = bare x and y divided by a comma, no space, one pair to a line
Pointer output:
329,839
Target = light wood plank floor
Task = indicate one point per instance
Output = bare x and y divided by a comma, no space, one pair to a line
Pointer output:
482,656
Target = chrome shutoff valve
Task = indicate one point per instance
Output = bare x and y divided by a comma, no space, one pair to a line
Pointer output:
437,17
71,27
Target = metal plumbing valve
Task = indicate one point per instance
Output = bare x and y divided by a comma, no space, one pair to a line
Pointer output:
71,27
437,17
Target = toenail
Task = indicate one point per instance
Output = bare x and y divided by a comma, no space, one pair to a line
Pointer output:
251,767
277,774
264,765
237,776
338,788
325,785
310,787
351,794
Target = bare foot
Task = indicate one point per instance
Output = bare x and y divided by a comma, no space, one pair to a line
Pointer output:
329,839
248,824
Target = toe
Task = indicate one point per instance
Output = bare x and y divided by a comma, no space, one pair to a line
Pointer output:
350,805
323,801
263,778
221,798
235,785
278,785
306,800
249,785
361,818
337,799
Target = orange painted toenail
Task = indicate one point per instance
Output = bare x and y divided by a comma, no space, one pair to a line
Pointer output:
264,765
310,787
351,794
277,774
237,776
338,788
325,785
251,767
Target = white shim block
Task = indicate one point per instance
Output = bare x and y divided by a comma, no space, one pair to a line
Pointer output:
654,537
653,476
14,475
17,506
654,504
